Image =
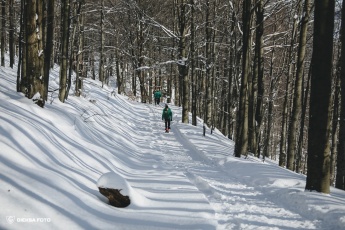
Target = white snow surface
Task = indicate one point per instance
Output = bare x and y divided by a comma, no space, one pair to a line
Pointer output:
114,180
53,159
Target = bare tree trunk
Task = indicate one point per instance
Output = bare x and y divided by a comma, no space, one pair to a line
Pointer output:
183,62
65,8
11,39
33,64
301,131
318,176
77,44
119,76
241,145
286,108
49,44
40,33
340,178
80,52
258,83
101,49
192,63
22,80
208,92
270,111
3,31
232,72
335,123
298,91
20,56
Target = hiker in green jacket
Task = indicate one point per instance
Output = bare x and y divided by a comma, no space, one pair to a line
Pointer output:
157,96
167,117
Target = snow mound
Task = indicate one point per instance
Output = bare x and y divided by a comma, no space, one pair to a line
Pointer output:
116,181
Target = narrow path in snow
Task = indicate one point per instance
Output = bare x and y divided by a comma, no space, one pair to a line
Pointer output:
227,196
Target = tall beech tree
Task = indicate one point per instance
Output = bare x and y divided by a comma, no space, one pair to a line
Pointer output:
11,34
183,61
290,42
318,176
340,176
241,145
49,44
298,90
65,13
34,84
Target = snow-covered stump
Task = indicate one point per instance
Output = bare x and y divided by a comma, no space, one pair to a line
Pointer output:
115,197
115,188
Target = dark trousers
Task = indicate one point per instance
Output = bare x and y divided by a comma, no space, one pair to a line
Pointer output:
167,123
157,100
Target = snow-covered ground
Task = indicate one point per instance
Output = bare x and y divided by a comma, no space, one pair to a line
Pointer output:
52,161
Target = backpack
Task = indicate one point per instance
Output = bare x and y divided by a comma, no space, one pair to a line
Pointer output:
166,113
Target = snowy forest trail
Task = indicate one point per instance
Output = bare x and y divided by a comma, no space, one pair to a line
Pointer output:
52,158
236,205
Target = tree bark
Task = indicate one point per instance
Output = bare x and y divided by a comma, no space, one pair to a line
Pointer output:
183,60
340,178
318,176
269,111
3,31
298,91
65,8
335,122
33,72
101,49
208,92
192,65
11,38
49,44
258,80
241,145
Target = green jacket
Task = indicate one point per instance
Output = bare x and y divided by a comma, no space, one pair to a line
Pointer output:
167,114
157,94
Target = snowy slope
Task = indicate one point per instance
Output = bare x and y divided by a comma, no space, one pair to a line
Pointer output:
52,159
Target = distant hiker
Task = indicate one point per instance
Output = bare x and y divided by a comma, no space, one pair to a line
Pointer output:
167,117
157,96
